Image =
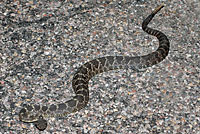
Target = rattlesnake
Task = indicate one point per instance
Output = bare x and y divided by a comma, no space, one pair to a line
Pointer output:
38,114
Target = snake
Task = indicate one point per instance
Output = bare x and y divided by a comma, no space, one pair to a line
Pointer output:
39,114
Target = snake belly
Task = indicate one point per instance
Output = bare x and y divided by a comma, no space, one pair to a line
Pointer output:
39,114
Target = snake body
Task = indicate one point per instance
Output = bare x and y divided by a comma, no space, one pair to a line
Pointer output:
39,114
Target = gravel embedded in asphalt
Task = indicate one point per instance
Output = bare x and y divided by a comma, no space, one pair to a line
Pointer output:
42,44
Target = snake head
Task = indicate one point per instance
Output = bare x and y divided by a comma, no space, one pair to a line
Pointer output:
28,114
41,123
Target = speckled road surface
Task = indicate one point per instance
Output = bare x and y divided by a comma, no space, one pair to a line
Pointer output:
42,44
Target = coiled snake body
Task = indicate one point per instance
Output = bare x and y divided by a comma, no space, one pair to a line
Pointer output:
38,114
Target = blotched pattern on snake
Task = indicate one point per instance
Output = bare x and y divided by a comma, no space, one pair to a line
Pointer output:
39,114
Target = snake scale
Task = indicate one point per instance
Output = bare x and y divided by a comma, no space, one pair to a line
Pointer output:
38,114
